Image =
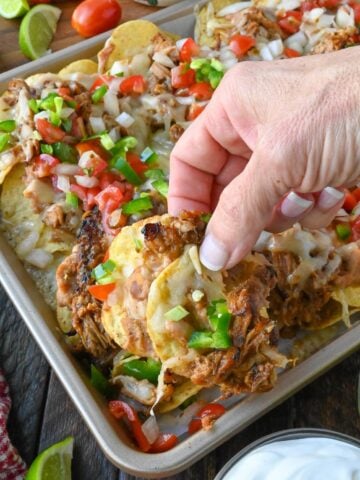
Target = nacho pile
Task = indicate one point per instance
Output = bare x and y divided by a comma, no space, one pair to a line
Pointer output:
84,166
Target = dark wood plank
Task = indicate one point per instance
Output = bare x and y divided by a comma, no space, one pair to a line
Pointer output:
62,419
10,55
27,373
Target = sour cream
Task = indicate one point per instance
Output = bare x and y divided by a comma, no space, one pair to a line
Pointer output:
302,459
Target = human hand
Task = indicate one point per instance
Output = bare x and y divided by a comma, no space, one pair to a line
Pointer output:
271,128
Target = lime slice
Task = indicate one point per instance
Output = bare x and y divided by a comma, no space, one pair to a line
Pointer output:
54,463
13,8
37,30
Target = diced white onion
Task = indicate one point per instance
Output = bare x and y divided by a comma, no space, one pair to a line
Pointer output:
345,17
119,67
296,46
265,53
180,43
276,47
114,85
42,114
185,100
111,103
27,244
150,429
125,120
163,59
288,5
233,8
66,112
356,210
150,101
97,124
86,158
313,15
63,183
326,20
66,169
298,37
85,181
39,258
114,135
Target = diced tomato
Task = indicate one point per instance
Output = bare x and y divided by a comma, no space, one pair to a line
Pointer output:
356,8
65,93
92,164
290,21
135,163
308,5
349,201
135,84
49,132
77,127
194,426
106,256
120,409
109,199
44,164
101,292
81,192
194,111
182,76
329,4
241,44
189,50
101,80
90,197
93,145
164,442
107,178
356,194
355,229
213,410
290,53
201,91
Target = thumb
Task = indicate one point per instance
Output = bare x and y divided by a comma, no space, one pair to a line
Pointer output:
244,209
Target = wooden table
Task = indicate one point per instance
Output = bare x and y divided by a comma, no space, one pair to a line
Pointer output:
43,414
10,55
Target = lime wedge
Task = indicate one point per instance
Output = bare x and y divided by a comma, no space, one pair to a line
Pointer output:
13,8
37,30
54,463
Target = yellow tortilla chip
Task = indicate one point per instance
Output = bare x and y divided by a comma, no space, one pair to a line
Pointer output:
209,27
181,393
88,67
349,294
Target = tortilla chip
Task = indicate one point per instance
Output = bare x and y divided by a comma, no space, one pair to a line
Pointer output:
181,393
208,27
170,289
350,294
126,41
88,67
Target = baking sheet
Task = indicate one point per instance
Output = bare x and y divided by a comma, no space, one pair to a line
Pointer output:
42,324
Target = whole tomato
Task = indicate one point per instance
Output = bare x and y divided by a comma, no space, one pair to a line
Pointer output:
96,16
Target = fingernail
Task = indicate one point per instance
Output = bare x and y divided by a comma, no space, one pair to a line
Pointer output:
213,255
329,197
293,205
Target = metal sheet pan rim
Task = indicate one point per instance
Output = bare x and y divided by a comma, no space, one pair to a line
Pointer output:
122,455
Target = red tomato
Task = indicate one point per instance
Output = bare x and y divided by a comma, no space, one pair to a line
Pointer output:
194,111
135,84
93,145
290,53
44,164
109,199
213,410
135,163
49,132
81,192
240,44
201,91
349,202
101,80
77,127
101,292
188,50
163,443
356,194
93,164
90,198
106,178
120,409
308,5
290,21
356,8
330,4
91,17
182,76
355,229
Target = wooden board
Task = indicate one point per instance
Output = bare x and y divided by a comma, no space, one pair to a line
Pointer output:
10,55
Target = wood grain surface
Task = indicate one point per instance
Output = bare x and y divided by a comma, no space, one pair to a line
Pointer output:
43,414
10,55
